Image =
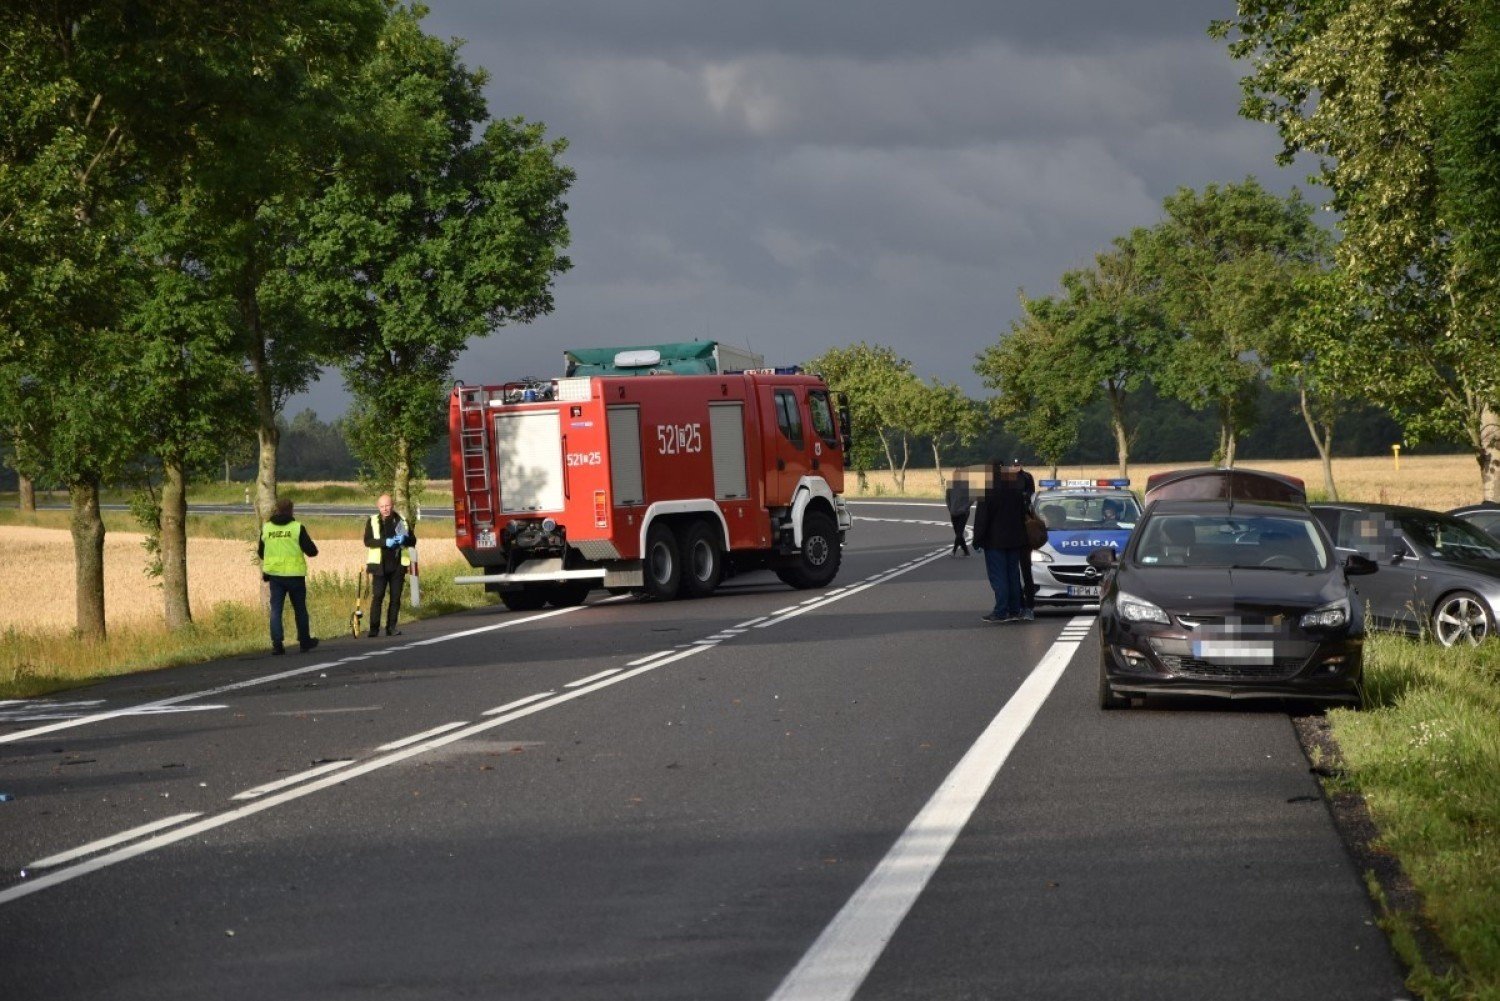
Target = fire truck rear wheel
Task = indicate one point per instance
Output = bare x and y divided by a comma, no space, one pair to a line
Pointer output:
818,563
568,593
527,599
662,563
702,560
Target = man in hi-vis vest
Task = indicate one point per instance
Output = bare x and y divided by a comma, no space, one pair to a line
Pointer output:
284,549
388,541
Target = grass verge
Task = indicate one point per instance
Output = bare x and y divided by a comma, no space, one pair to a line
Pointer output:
220,526
1425,756
38,663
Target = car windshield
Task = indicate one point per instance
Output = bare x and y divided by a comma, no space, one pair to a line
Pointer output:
1087,512
1451,537
1264,542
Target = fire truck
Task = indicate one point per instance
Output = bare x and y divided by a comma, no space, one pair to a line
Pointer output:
645,481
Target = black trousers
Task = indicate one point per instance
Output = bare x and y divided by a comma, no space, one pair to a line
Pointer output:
1028,586
393,581
959,521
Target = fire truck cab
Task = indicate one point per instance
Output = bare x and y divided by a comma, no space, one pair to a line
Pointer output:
658,484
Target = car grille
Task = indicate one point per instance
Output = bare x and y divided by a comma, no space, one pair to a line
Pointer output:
1191,667
1075,573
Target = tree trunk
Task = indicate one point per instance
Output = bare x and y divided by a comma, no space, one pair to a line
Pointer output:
401,478
174,572
890,460
1489,452
88,557
266,432
937,463
1322,436
27,491
905,461
1117,424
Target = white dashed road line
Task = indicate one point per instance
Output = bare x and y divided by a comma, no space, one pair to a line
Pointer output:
292,780
110,842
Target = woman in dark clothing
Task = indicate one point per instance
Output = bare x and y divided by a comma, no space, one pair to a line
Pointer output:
959,501
1000,530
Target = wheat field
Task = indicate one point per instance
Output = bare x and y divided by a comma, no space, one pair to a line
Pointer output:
1438,482
44,593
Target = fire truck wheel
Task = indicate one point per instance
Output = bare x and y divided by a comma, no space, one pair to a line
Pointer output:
702,560
528,599
662,564
568,593
818,562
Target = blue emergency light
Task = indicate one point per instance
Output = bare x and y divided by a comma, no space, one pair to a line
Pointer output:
1087,484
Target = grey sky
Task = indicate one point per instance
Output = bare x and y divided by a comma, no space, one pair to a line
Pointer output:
793,176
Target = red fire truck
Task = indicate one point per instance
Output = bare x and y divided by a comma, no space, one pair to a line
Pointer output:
658,484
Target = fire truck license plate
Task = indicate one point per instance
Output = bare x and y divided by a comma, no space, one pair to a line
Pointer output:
1083,590
486,540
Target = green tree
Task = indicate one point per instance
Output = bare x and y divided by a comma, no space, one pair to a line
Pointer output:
1397,101
884,397
1116,332
1028,368
432,240
948,419
1220,259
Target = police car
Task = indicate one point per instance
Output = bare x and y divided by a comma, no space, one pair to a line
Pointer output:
1081,516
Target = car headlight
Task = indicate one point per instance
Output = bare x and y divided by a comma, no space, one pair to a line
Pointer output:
1133,609
1038,556
1329,616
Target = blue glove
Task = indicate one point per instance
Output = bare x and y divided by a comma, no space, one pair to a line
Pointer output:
392,542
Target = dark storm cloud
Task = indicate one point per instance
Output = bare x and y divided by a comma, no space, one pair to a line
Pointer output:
795,176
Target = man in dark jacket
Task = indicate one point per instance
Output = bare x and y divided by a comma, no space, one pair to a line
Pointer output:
1000,530
283,552
388,542
1028,583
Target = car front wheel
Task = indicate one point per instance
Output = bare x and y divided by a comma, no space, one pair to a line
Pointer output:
1461,617
1107,697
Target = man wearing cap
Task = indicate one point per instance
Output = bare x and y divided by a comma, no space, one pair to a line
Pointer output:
1028,586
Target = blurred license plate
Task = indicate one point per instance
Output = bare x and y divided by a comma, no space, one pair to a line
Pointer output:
486,540
1083,590
1235,651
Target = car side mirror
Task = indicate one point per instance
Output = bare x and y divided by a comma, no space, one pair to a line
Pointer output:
1102,558
1356,565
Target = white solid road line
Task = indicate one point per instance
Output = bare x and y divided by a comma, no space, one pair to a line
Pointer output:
110,842
292,780
593,677
845,952
422,736
516,704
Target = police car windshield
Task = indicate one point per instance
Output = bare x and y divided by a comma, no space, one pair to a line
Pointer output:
1232,541
1065,511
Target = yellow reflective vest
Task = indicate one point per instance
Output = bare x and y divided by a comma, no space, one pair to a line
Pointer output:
281,552
372,556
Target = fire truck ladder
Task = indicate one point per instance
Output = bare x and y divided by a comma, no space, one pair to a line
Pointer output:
479,490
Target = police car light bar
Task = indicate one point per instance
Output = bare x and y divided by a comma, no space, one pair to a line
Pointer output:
1054,484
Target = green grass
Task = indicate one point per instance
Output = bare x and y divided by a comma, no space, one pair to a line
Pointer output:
38,663
1426,756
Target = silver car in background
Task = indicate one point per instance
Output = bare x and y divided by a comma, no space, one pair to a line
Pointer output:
1438,574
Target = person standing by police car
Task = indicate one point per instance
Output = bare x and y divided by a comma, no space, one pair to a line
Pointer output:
1000,530
388,542
283,551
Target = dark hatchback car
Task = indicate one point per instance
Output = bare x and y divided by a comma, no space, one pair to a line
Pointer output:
1438,573
1240,599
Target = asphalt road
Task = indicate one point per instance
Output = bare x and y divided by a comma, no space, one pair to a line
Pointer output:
865,792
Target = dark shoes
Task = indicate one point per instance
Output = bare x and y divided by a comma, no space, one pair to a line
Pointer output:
374,634
993,618
277,649
309,644
393,632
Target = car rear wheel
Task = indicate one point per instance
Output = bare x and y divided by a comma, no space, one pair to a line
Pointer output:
1461,617
702,560
1107,697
